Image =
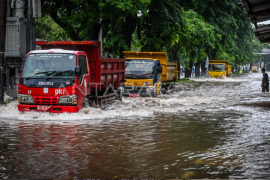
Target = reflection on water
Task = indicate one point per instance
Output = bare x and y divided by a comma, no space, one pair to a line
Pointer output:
191,139
179,146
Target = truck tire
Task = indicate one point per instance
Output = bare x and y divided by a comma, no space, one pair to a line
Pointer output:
154,94
119,95
173,88
85,102
163,90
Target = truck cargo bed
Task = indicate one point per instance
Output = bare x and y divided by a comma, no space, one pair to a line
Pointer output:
103,71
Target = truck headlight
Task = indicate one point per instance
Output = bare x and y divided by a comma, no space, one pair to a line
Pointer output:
27,99
68,100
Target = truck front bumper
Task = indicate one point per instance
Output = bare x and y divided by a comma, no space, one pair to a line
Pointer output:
51,109
144,91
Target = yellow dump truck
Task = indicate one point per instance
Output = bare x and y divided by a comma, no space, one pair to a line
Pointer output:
255,68
146,74
219,68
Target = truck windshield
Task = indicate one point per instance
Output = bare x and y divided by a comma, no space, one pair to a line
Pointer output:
139,68
216,67
254,67
49,65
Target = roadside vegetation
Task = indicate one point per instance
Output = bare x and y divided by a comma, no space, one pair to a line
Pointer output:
9,101
189,31
238,73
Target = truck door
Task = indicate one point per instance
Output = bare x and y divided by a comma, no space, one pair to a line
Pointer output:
158,72
83,79
158,77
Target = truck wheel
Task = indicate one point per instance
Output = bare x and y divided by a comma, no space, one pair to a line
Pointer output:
154,94
85,102
105,105
171,88
119,95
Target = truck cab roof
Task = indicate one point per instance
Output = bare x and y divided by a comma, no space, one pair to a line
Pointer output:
144,58
55,51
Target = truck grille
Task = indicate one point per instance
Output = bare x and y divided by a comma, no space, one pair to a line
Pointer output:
41,100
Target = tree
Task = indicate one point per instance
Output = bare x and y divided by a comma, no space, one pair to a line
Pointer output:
193,41
187,30
47,29
83,19
230,23
161,25
119,32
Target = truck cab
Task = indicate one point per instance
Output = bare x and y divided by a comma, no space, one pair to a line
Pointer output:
54,80
255,68
57,80
147,74
143,77
219,69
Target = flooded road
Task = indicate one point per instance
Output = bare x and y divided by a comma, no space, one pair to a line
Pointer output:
208,129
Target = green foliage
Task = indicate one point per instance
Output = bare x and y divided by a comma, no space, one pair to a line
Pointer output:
83,19
231,25
161,25
9,101
187,30
192,41
47,29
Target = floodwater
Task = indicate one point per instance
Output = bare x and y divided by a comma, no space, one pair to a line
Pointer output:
208,129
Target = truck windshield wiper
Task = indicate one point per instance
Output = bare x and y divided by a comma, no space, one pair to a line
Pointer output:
36,74
131,75
137,75
145,74
58,72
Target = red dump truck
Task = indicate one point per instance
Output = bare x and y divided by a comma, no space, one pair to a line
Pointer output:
65,76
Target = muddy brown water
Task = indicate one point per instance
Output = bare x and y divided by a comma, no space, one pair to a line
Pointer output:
227,136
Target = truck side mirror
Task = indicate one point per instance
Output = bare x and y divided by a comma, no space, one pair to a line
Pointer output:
153,70
77,70
160,69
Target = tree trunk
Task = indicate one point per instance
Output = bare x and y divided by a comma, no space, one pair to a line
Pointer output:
128,31
121,55
203,73
96,30
174,54
197,69
188,71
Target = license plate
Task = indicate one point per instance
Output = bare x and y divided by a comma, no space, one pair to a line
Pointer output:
134,95
43,108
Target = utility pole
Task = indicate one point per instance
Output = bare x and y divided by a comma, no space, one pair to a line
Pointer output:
31,26
3,13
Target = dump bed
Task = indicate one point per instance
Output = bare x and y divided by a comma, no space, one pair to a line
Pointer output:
103,71
169,72
219,62
229,70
